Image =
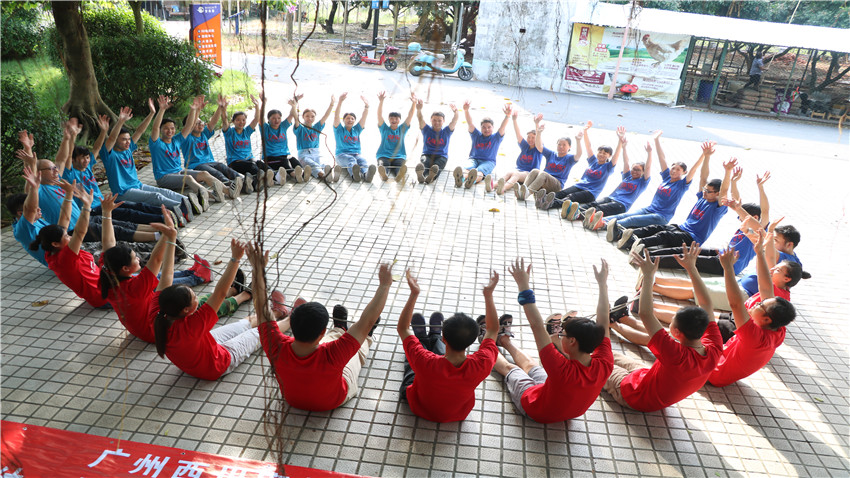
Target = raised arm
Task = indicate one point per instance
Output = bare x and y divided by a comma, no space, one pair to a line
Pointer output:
518,133
365,111
688,261
237,250
470,125
507,111
538,135
103,123
579,137
455,117
145,122
293,112
27,142
381,96
734,294
166,277
107,205
220,112
338,111
225,121
728,166
169,234
762,269
662,159
82,226
770,248
258,113
65,155
412,109
702,164
419,115
124,115
66,208
194,112
764,204
645,309
328,111
602,310
621,145
371,314
648,166
735,194
535,320
164,103
33,180
258,260
491,316
406,316
586,137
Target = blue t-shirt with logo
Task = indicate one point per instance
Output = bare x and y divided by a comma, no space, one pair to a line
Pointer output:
750,283
120,169
529,157
703,218
277,144
166,156
347,142
50,199
87,180
484,148
196,149
25,232
307,137
668,195
558,166
744,247
238,145
392,141
629,189
595,176
436,142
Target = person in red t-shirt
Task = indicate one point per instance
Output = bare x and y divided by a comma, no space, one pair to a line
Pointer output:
316,371
571,376
685,356
759,326
439,378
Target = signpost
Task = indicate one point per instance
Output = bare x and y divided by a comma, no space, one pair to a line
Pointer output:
205,30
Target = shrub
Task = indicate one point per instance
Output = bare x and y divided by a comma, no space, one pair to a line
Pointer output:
132,69
19,110
237,86
21,32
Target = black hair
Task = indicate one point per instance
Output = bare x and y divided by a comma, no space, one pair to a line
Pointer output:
123,131
113,260
487,120
438,113
165,121
235,115
15,203
395,114
781,313
795,272
80,151
641,164
789,233
172,301
752,209
607,149
587,333
460,331
46,237
273,112
352,115
715,185
308,321
568,140
691,321
681,165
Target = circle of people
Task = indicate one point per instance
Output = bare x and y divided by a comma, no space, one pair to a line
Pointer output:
64,211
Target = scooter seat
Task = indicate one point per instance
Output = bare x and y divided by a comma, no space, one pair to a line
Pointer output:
367,47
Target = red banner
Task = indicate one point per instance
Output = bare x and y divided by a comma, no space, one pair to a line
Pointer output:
30,451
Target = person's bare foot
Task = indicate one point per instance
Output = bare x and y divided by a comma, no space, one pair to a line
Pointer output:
254,320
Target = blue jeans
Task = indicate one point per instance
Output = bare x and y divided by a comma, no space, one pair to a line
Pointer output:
187,278
348,161
311,157
153,195
639,218
483,166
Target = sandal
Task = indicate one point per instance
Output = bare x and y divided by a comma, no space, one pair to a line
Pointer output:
620,309
553,324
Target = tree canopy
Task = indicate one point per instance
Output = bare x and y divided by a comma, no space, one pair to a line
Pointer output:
833,13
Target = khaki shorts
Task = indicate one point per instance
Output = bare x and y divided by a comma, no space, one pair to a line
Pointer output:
623,366
352,368
517,382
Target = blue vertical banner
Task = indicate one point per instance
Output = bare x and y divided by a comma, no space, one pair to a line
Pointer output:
205,30
385,4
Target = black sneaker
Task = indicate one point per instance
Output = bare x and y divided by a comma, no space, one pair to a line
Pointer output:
482,327
505,322
418,323
340,316
635,306
436,323
372,331
553,325
620,309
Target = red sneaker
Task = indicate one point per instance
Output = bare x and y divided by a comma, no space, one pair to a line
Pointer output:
202,269
278,305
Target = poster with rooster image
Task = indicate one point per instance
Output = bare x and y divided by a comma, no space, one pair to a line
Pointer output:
652,62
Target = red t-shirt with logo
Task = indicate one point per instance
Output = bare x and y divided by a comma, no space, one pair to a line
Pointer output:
133,301
678,371
313,382
437,380
571,388
192,348
79,273
750,349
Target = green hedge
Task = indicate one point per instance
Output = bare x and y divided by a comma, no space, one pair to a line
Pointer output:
21,31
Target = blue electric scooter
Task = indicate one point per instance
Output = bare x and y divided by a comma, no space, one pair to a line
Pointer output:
428,62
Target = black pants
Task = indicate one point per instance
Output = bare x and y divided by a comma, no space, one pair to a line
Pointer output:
249,167
754,80
665,235
574,194
433,343
727,326
429,160
708,261
391,165
608,206
286,162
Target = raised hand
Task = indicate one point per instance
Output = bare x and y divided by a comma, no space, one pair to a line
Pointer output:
237,249
730,164
420,103
645,262
385,274
108,204
298,97
648,147
731,202
760,180
342,96
728,257
26,139
708,147
466,104
382,95
333,98
73,127
103,122
491,284
772,226
621,132
365,101
515,114
221,101
125,113
507,109
151,105
412,283
255,101
601,273
69,188
587,125
538,118
657,134
688,258
24,156
164,102
31,176
579,135
85,195
452,106
521,273
737,173
166,228
541,126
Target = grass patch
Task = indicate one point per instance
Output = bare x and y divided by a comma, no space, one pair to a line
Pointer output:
47,80
237,86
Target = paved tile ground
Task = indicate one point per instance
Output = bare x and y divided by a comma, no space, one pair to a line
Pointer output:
67,366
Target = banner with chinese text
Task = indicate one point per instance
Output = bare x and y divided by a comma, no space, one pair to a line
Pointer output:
205,31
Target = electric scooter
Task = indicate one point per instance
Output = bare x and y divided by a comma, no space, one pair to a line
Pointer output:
360,55
428,62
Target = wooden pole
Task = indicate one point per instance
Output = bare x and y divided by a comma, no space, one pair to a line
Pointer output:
395,20
344,22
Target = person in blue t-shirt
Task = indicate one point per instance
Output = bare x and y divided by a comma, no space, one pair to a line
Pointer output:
197,154
634,183
485,147
240,156
675,181
307,135
276,154
392,153
117,156
591,183
558,165
165,146
529,156
699,224
348,149
435,143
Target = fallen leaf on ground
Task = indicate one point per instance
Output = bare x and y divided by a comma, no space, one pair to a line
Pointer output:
217,262
40,303
494,210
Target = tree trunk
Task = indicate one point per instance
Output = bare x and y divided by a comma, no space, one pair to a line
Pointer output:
136,5
84,101
329,24
365,26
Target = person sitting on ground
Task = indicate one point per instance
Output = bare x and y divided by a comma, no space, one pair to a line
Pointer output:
307,140
197,153
348,150
699,224
276,143
756,326
435,143
634,183
117,157
592,181
165,147
240,155
184,332
529,156
575,355
485,147
686,356
316,371
392,153
559,163
674,183
436,365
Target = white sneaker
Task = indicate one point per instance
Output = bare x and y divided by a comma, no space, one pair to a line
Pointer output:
337,172
471,177
382,172
538,198
355,173
281,176
433,171
269,178
500,186
307,174
420,173
195,202
249,183
218,191
204,196
328,170
588,217
370,174
488,183
627,234
547,200
401,174
237,186
299,174
458,174
612,229
565,208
